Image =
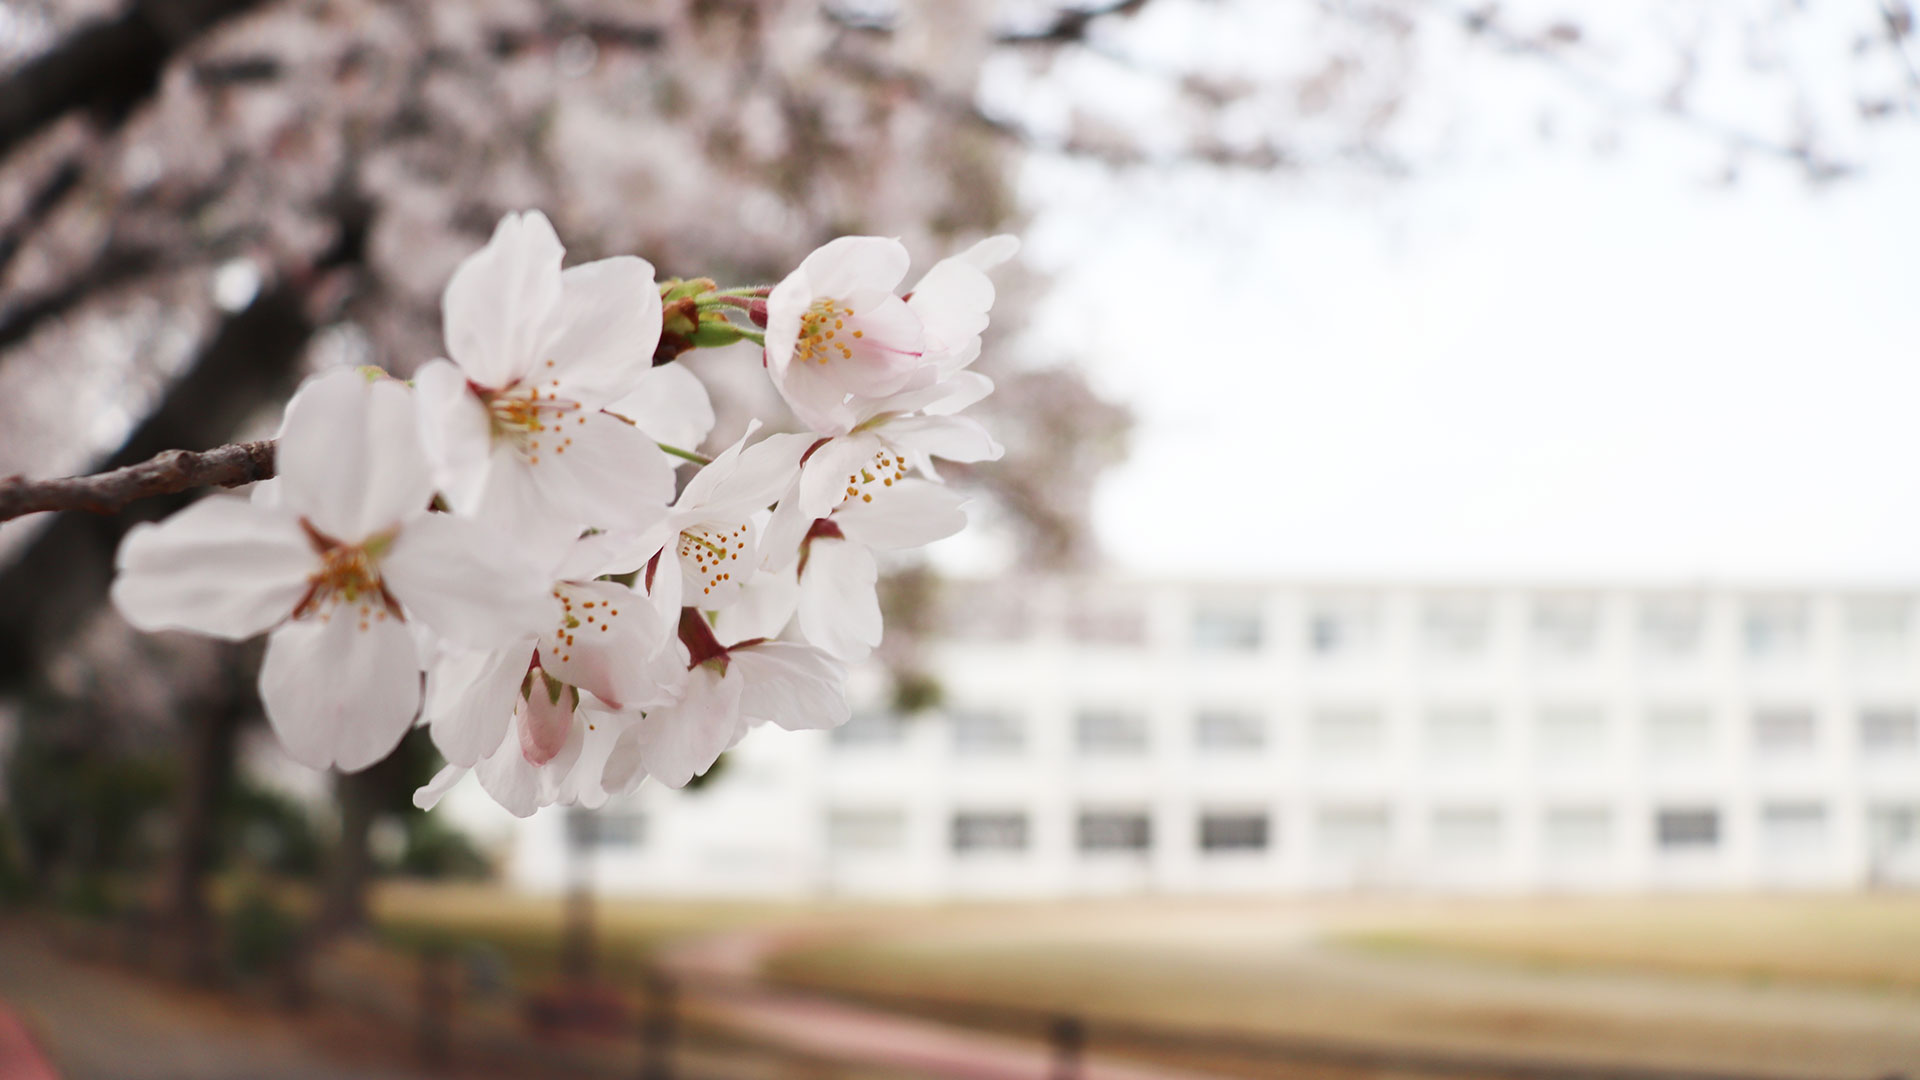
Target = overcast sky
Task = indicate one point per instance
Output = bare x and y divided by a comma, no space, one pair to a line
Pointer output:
1532,358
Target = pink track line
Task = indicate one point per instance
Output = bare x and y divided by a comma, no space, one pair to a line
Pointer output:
20,1059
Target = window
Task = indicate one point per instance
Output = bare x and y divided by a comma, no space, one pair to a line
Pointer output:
1572,734
1466,832
1893,828
1889,732
866,830
606,828
1102,732
1111,830
871,727
987,732
1793,828
1230,730
1786,732
1233,830
1687,829
989,831
1457,626
1574,833
1679,734
1343,626
1349,734
1462,733
1566,626
1354,831
1879,627
1226,629
1776,628
1672,627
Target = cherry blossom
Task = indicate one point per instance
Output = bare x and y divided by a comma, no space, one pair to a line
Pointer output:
835,329
335,566
592,635
706,546
731,689
514,423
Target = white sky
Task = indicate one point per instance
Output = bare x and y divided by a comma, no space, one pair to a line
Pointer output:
1530,359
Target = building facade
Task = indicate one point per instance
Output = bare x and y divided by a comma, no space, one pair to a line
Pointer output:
1128,736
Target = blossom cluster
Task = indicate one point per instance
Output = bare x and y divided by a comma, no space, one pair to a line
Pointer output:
512,525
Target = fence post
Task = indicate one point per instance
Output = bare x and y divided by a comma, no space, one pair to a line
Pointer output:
434,1035
657,1029
1069,1039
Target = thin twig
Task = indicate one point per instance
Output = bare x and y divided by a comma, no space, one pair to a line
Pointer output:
165,474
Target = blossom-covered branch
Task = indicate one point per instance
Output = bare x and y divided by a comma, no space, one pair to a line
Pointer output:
511,522
165,474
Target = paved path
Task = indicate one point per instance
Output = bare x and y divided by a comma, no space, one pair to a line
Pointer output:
98,1024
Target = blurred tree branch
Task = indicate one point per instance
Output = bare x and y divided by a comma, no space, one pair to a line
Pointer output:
107,65
165,474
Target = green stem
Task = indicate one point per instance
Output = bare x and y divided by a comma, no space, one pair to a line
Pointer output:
697,459
754,336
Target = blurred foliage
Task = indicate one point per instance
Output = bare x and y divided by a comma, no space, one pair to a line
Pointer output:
80,814
436,849
261,932
269,831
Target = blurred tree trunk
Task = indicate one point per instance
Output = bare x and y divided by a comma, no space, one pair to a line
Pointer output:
211,739
344,906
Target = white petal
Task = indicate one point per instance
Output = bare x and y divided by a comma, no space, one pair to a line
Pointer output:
794,686
221,566
743,479
823,483
671,405
955,438
608,474
617,651
340,692
498,306
471,696
517,505
456,433
764,607
839,609
953,299
584,784
911,513
956,392
428,795
680,741
349,457
607,326
845,265
622,772
466,582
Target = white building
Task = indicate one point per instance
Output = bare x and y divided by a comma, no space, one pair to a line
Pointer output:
1129,736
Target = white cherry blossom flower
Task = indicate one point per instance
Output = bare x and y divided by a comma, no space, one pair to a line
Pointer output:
591,635
514,423
706,547
580,770
730,689
858,492
835,329
335,565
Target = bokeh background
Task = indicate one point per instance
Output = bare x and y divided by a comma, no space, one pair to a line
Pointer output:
1447,607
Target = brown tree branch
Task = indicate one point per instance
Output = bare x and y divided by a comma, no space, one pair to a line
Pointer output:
165,474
